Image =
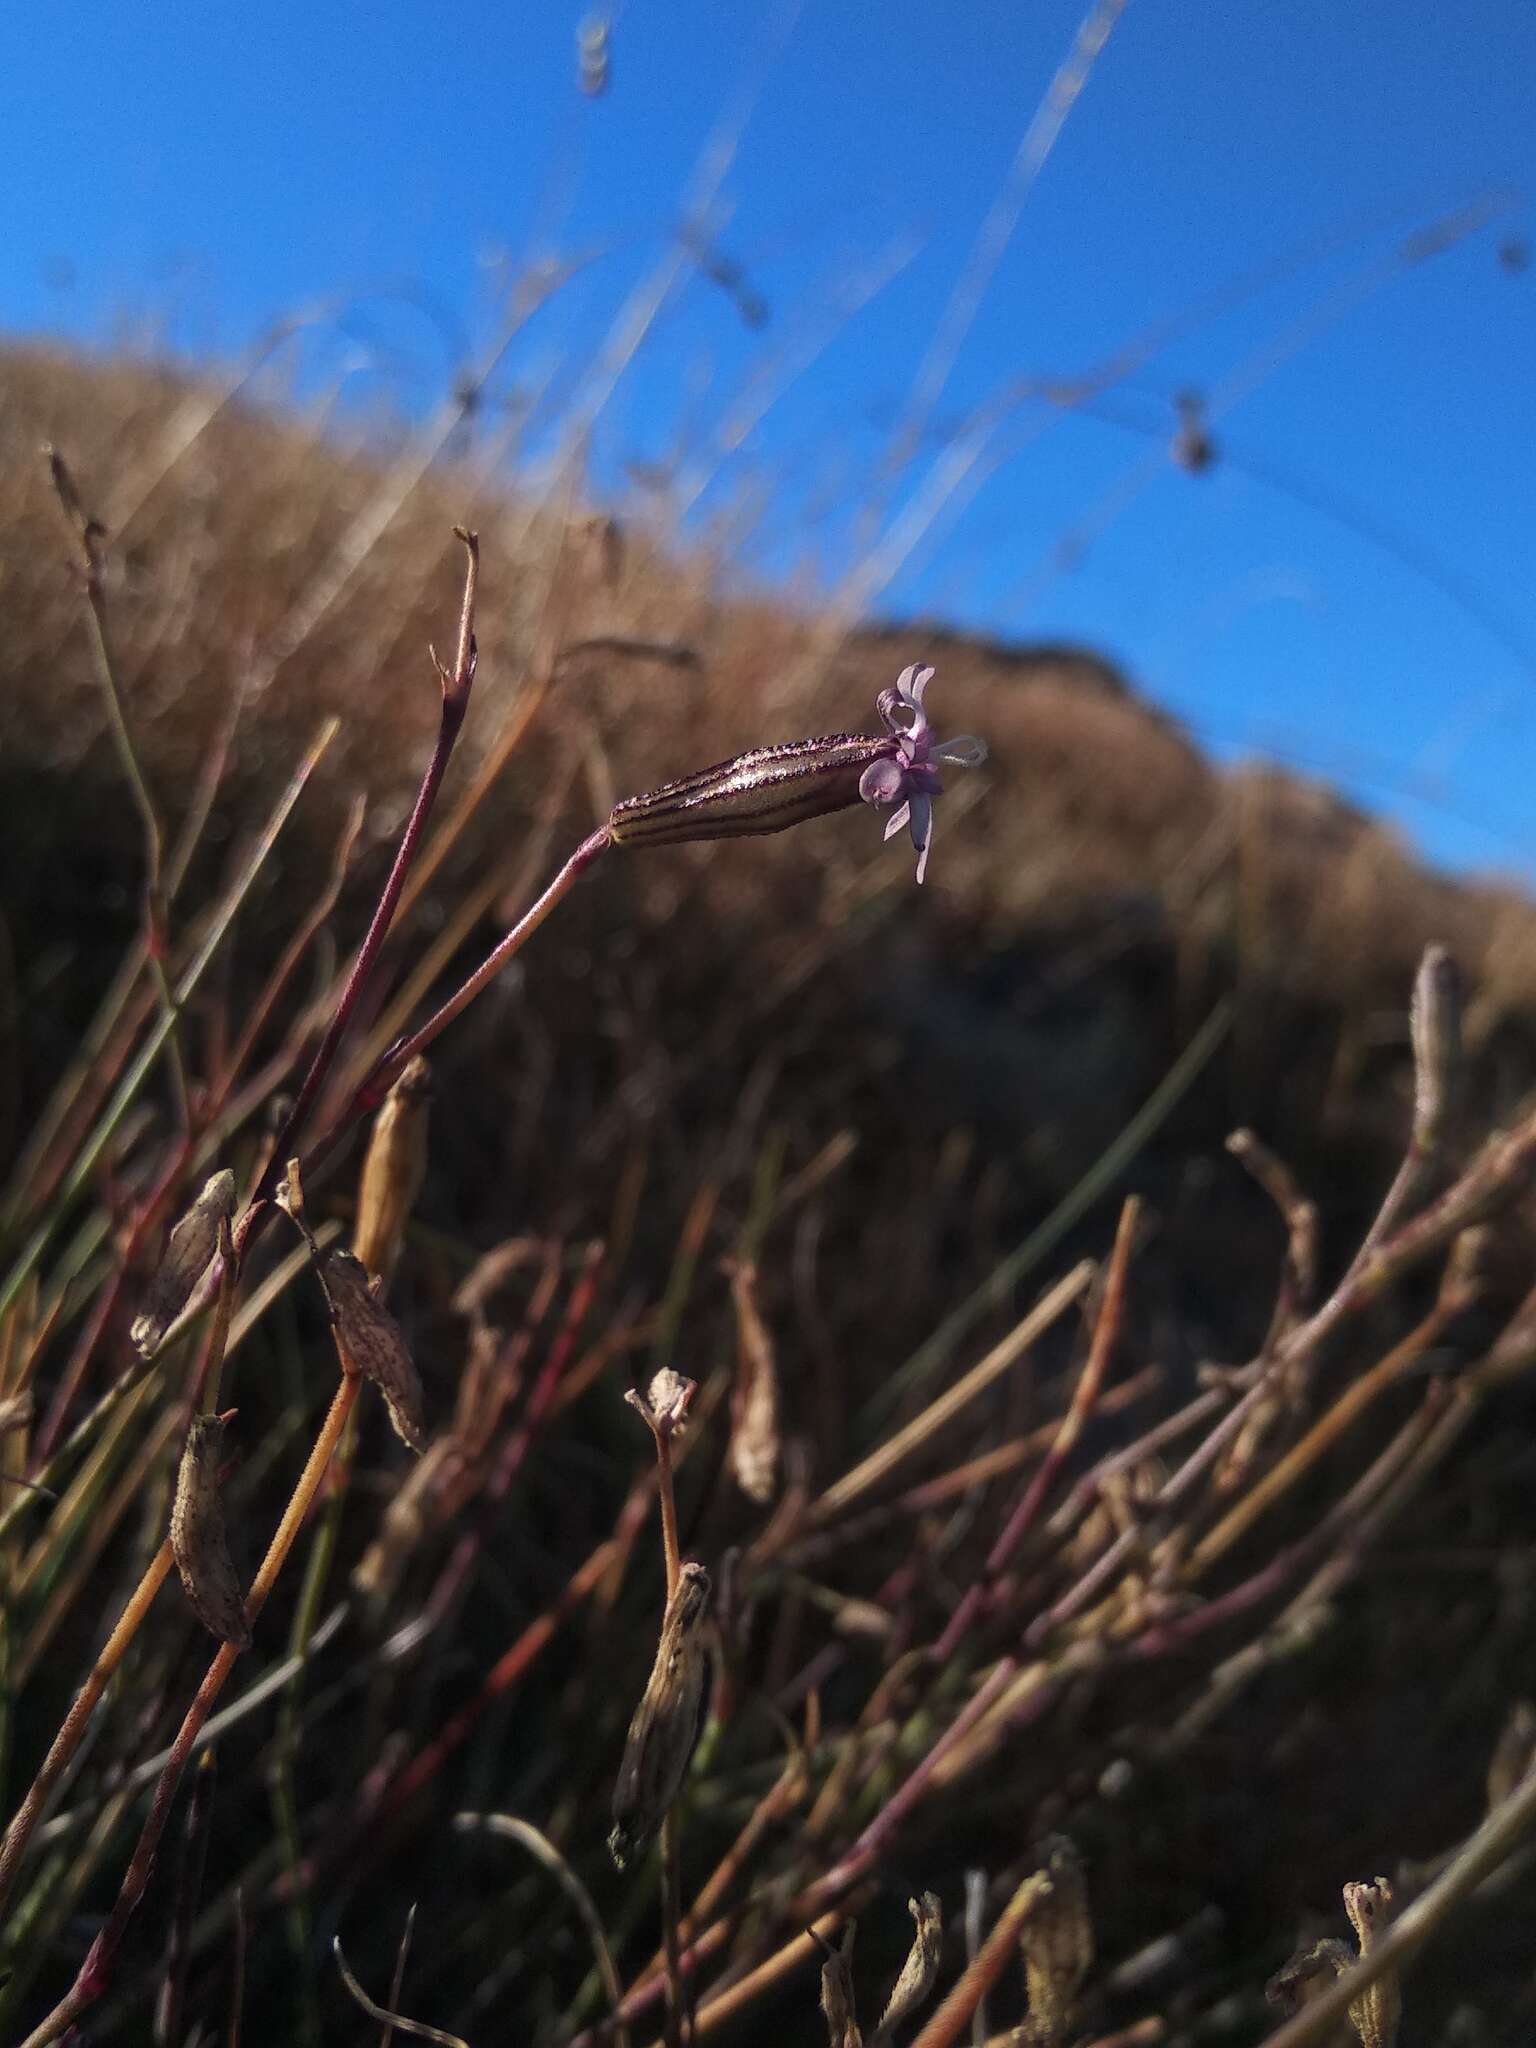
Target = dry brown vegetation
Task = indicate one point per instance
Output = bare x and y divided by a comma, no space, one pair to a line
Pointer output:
774,1053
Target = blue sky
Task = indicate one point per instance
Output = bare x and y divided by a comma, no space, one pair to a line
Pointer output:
205,170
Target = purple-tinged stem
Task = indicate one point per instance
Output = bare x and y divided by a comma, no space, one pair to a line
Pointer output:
456,688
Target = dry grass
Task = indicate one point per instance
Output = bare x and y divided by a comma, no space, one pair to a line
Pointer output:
770,1057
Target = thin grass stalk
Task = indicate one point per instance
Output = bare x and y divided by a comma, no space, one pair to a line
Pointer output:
95,1972
89,534
1084,1397
75,1722
89,1155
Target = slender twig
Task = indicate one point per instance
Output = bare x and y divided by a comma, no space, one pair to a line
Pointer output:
456,686
90,534
1079,1409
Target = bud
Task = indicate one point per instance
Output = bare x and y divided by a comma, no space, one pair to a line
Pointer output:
187,1258
918,1972
392,1171
754,1447
1057,1940
767,789
667,1721
372,1342
198,1541
1434,1020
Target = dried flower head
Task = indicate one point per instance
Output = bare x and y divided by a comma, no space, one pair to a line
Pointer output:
198,1540
769,789
392,1170
666,1723
188,1256
665,1403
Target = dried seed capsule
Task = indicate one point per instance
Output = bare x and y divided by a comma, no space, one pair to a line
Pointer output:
188,1255
667,1721
1434,1019
198,1541
665,1403
1057,1940
767,789
837,2003
392,1171
373,1342
1376,2013
754,1447
918,1972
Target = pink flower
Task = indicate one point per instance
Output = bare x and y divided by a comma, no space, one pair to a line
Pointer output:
909,778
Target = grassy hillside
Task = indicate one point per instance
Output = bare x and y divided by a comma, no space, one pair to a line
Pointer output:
761,1112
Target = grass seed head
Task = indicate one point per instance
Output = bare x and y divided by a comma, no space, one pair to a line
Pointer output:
666,1724
198,1539
187,1258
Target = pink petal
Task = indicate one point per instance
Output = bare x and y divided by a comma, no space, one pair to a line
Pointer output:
882,782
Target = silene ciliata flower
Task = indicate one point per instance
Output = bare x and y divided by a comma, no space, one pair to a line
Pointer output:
769,789
909,778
